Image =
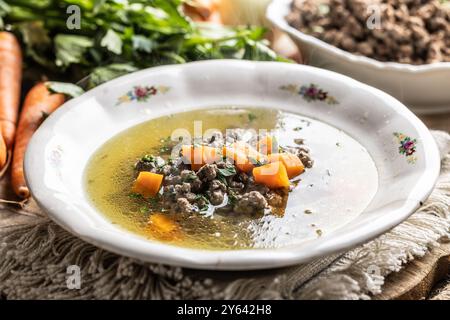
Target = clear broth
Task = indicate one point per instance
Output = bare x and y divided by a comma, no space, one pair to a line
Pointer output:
338,188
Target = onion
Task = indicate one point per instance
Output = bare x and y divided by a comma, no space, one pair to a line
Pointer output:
243,12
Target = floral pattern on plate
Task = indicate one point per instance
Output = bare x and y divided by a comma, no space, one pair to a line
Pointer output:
141,93
310,93
407,146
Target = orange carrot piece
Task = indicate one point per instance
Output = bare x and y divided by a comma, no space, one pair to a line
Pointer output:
10,84
251,152
162,223
293,164
200,155
210,155
267,145
244,155
273,175
163,227
147,184
203,11
241,160
38,102
3,152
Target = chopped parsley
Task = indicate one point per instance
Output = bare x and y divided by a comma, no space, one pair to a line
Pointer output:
222,179
144,209
251,117
157,162
256,162
167,145
135,196
232,198
148,158
226,172
205,207
190,177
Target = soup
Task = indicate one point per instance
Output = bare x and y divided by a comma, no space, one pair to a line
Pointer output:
231,178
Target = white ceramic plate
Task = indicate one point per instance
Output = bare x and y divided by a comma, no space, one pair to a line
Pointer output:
423,88
59,151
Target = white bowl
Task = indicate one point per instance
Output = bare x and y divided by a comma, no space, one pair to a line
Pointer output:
423,88
59,151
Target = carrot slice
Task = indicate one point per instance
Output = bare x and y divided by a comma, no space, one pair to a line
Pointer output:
273,175
293,164
10,84
267,145
147,184
3,152
251,152
38,102
244,146
198,156
241,160
163,227
244,155
162,223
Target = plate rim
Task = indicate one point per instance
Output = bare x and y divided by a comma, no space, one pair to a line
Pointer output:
247,259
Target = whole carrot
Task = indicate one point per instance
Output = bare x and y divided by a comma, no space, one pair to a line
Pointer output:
10,83
203,10
3,152
38,103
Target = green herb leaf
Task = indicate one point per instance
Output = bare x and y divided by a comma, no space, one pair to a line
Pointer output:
103,74
190,177
65,88
136,34
144,209
135,196
255,161
148,158
112,42
4,10
232,198
206,205
36,40
251,117
71,49
227,172
142,43
223,180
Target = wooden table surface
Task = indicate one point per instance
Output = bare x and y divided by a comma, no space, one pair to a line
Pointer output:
437,122
415,281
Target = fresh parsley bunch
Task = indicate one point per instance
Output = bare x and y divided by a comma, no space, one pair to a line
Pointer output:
120,36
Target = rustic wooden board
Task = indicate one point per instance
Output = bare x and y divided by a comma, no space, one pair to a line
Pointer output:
419,277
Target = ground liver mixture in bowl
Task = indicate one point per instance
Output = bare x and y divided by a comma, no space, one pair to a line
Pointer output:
409,31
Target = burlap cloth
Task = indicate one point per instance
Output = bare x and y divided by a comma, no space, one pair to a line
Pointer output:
35,254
